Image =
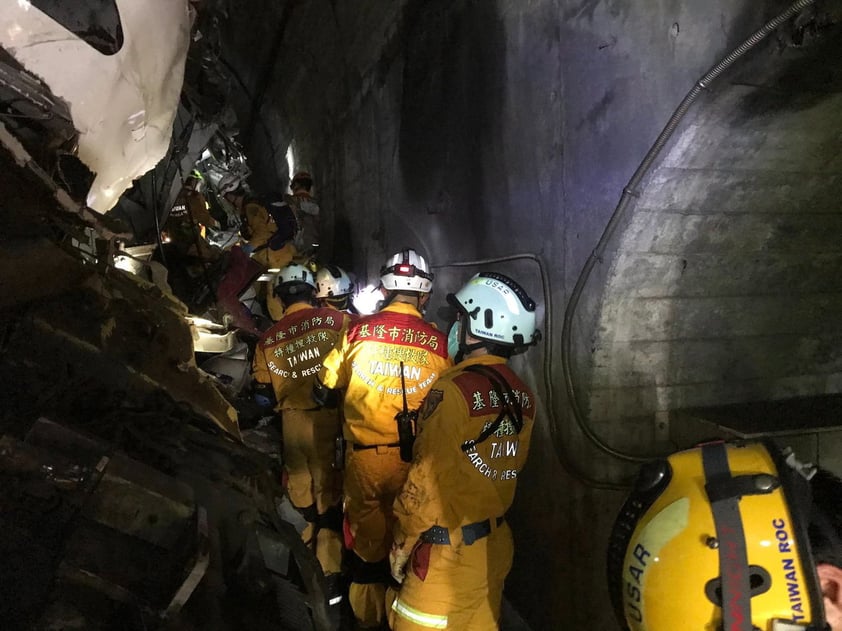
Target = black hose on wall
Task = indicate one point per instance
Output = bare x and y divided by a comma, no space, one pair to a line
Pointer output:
629,192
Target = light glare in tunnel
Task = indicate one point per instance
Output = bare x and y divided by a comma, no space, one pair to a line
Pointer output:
367,299
290,160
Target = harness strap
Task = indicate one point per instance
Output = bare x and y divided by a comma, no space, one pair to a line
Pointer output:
470,533
509,405
359,447
733,557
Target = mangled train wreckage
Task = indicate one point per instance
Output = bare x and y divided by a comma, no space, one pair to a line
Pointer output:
130,497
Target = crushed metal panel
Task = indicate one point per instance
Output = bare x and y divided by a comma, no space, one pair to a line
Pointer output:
197,569
102,548
142,502
210,337
49,271
123,104
122,567
126,335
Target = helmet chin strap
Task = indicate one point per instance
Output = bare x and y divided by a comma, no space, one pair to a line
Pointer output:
392,294
465,348
387,300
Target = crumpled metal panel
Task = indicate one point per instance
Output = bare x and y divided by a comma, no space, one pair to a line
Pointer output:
123,104
130,534
120,333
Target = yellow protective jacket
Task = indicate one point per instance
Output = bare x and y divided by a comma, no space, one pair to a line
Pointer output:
366,364
290,354
258,223
447,486
259,226
189,210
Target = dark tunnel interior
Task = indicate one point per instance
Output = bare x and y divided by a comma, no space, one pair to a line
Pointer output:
663,178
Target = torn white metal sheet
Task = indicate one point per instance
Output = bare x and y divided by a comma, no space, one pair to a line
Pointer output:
122,104
210,337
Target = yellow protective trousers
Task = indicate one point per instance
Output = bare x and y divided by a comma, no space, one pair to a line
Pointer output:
309,437
462,585
373,478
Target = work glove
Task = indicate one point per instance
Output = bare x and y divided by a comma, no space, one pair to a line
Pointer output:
398,557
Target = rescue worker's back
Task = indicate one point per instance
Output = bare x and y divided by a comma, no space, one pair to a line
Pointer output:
367,364
452,548
455,488
379,359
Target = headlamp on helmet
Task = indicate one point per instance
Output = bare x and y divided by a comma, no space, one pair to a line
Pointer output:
407,271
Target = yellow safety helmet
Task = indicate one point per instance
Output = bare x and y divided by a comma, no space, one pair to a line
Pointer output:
715,539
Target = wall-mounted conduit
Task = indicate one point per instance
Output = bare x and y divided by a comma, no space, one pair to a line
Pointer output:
630,191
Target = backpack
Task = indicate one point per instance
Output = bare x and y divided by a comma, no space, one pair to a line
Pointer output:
284,217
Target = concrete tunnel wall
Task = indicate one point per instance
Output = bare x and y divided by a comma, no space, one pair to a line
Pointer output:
480,129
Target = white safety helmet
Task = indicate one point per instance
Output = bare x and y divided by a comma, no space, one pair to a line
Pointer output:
407,271
332,282
229,184
497,310
292,277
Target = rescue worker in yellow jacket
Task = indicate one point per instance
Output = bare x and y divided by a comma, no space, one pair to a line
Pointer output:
287,359
270,235
187,221
270,244
452,547
381,359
